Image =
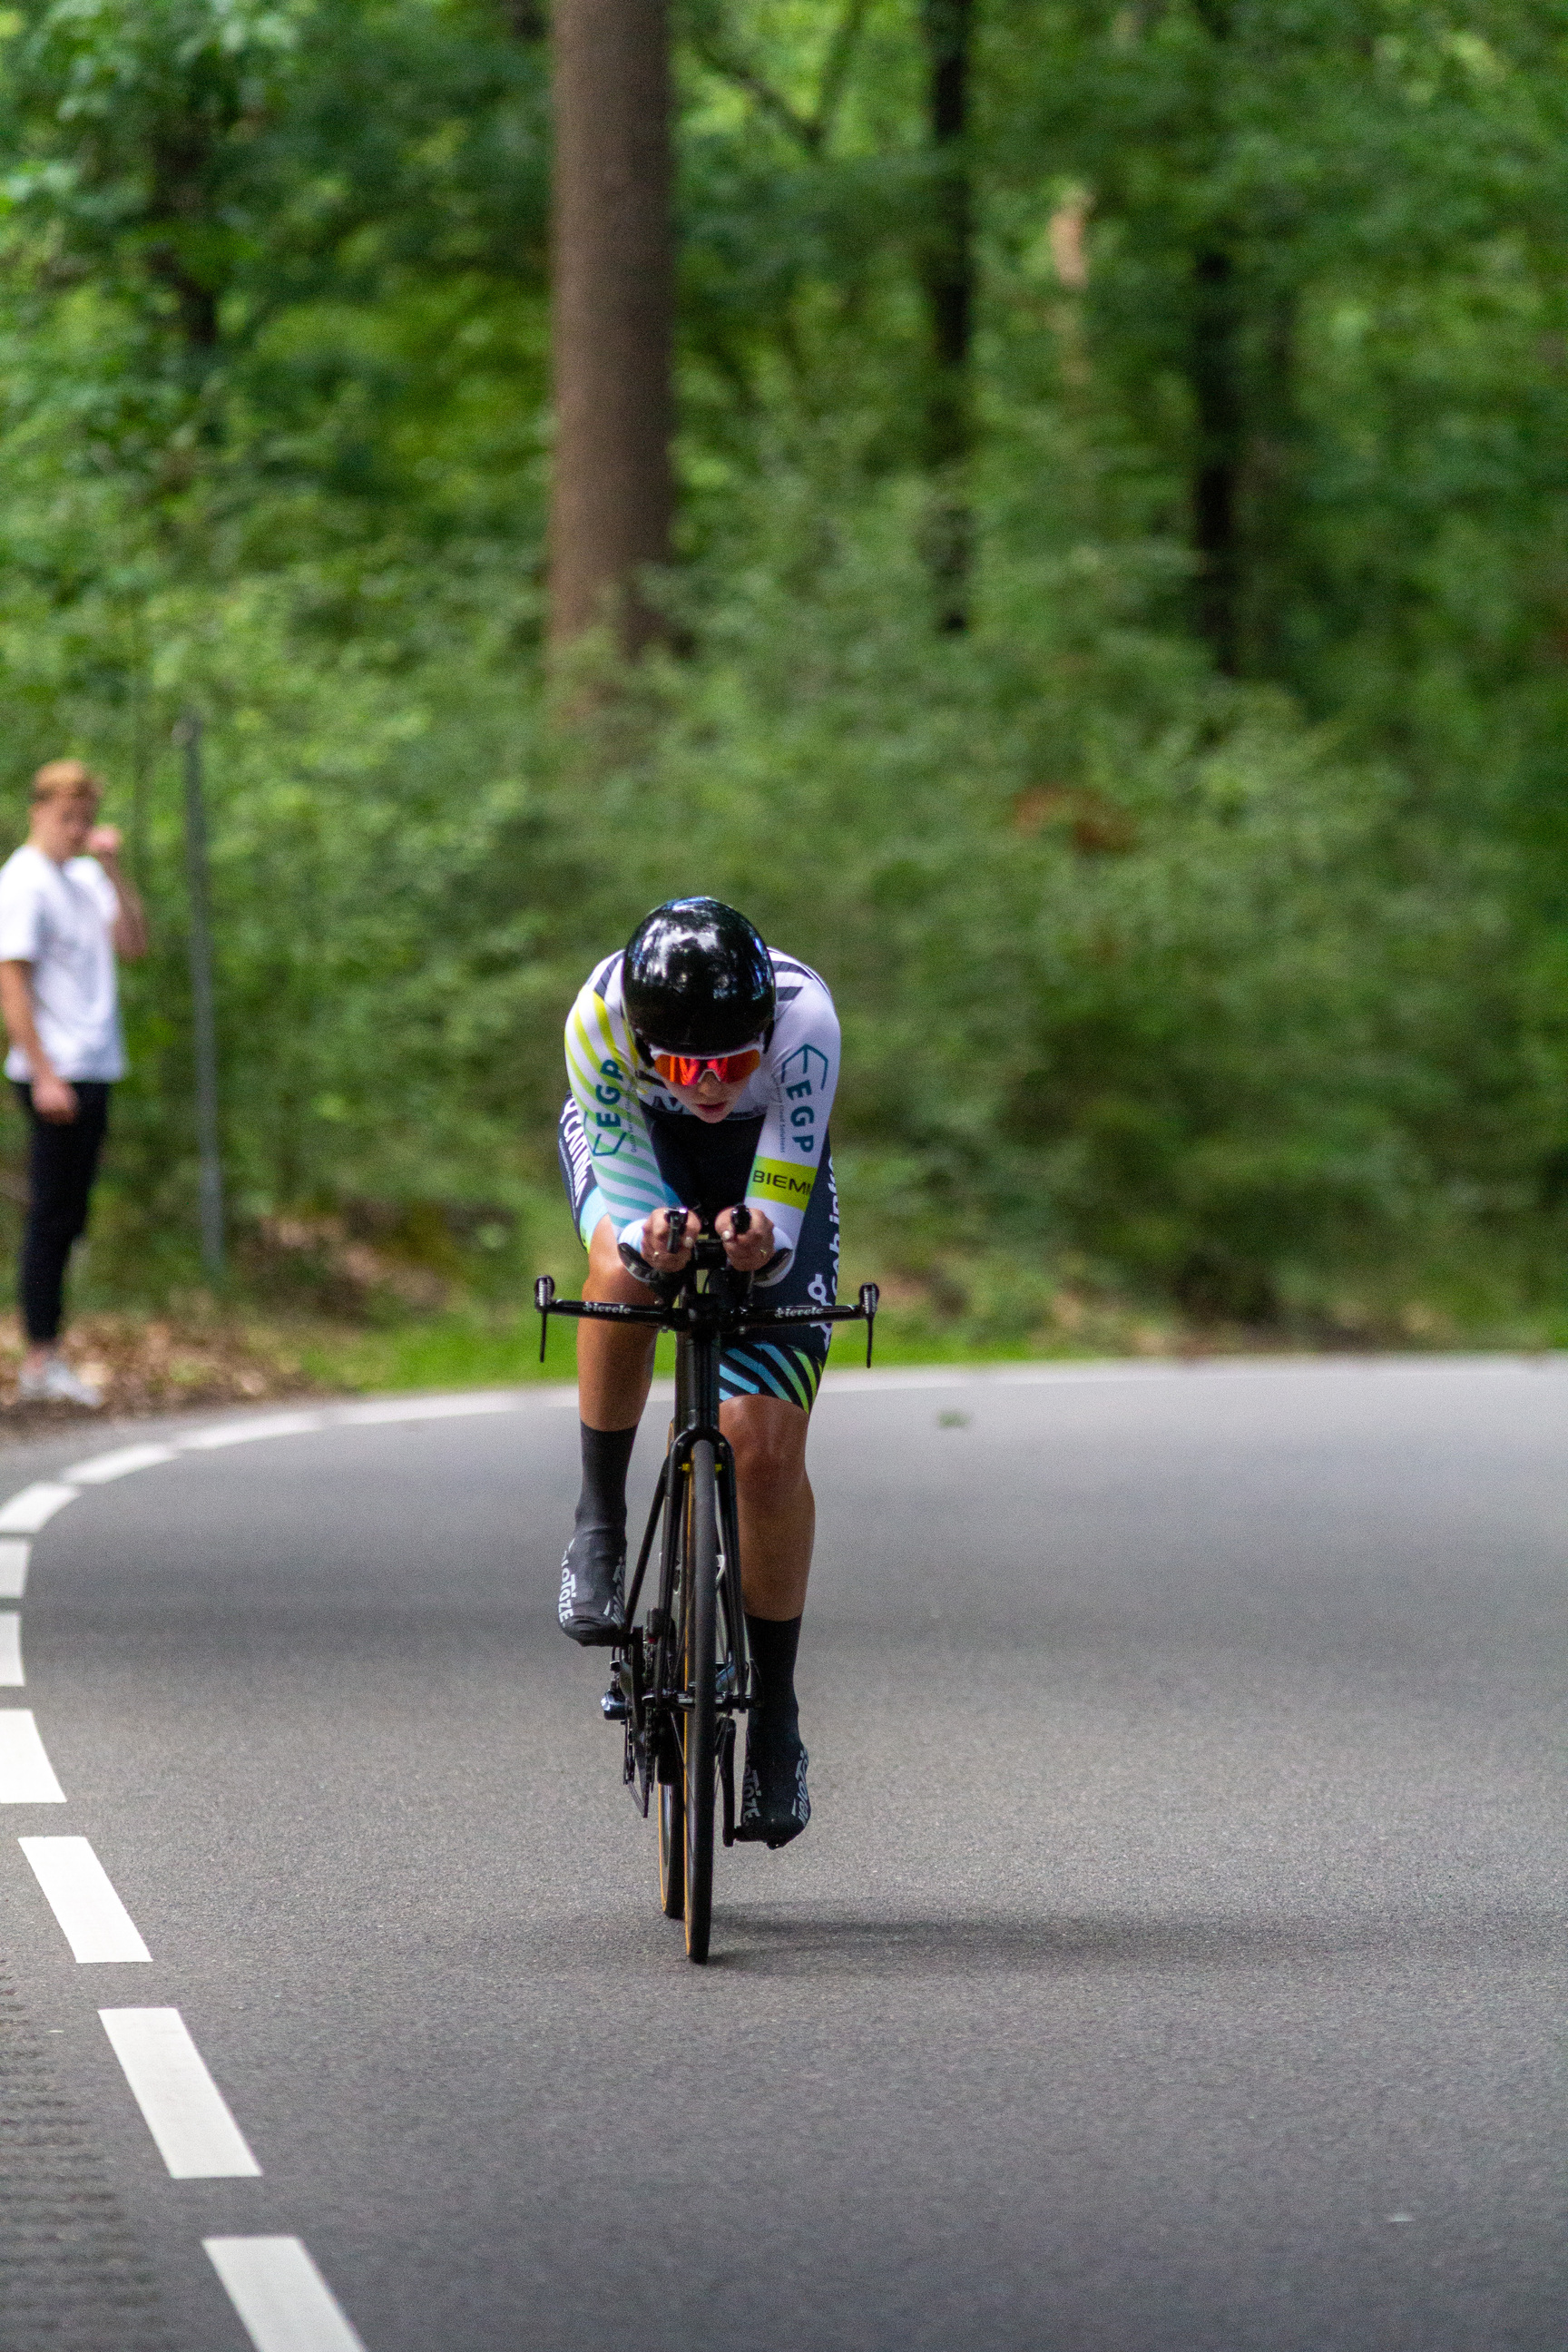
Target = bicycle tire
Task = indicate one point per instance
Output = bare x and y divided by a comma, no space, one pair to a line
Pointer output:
699,1718
669,1793
671,1850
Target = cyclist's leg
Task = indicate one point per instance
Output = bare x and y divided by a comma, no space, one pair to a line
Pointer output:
778,1513
769,1386
613,1369
776,1506
615,1366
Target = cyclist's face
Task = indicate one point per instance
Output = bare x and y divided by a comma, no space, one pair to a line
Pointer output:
710,1099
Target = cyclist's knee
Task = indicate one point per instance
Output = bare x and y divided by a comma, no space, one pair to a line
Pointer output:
768,1438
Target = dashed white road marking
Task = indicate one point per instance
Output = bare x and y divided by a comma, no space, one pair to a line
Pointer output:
282,2298
25,1513
245,1433
99,1468
11,1675
186,2112
12,1567
26,1776
80,1894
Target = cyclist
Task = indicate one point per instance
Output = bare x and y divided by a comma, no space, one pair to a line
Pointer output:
702,1066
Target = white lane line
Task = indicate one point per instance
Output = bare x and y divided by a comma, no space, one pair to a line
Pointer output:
99,1468
12,1567
1024,1374
245,1433
448,1408
25,1513
80,1894
11,1675
1240,1367
26,1776
186,2112
952,1376
280,2295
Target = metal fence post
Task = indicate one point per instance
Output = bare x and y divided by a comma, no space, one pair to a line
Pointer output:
188,735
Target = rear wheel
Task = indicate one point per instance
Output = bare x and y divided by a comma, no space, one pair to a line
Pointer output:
698,1720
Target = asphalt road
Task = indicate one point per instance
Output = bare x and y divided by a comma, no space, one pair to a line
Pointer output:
1175,1959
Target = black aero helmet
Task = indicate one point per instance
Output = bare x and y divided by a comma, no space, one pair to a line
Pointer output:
696,978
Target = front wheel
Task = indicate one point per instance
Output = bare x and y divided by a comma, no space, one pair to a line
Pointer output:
671,1851
699,1721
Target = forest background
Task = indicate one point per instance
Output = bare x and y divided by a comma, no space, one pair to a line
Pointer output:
1117,631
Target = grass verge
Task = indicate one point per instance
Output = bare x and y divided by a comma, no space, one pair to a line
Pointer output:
206,1352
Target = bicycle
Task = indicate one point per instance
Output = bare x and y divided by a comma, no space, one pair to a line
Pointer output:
680,1681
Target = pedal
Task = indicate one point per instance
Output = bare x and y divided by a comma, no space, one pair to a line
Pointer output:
619,1704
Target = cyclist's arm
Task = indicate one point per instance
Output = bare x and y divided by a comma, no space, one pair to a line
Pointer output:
599,1073
803,1065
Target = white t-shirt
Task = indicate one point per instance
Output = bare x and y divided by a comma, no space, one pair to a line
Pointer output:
60,919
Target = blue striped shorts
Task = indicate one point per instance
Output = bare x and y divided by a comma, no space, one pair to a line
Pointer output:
756,1366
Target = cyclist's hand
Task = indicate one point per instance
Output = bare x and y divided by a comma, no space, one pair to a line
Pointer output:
654,1241
748,1252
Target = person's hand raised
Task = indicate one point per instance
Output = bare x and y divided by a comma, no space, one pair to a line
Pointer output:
104,841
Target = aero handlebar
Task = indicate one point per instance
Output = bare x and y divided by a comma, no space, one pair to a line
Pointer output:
682,1307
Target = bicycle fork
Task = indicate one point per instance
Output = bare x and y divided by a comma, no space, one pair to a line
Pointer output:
646,1690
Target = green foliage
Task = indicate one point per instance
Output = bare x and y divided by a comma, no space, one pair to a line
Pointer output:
1243,994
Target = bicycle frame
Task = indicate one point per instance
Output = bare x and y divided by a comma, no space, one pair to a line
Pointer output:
705,1305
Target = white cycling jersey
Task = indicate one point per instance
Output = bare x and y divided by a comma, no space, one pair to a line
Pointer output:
793,1090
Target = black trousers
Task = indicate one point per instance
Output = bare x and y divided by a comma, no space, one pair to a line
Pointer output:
62,1160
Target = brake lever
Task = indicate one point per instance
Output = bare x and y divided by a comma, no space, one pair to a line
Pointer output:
870,1298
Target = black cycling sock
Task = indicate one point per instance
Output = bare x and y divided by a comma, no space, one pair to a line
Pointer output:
607,1458
774,1642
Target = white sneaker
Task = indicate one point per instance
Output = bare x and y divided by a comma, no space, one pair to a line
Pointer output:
58,1385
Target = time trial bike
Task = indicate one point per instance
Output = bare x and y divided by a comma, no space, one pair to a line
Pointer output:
682,1679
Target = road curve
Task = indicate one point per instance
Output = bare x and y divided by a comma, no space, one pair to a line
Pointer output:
1175,1961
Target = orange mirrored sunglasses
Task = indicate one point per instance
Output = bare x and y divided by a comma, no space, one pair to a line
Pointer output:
685,1069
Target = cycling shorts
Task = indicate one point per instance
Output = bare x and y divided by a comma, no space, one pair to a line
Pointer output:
705,1169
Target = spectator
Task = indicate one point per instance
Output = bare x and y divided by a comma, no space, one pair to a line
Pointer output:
63,915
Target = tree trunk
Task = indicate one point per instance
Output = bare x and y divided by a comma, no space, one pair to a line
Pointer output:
1217,470
1219,400
613,300
949,274
1271,456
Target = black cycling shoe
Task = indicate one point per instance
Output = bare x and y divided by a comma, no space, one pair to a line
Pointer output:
775,1806
593,1584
